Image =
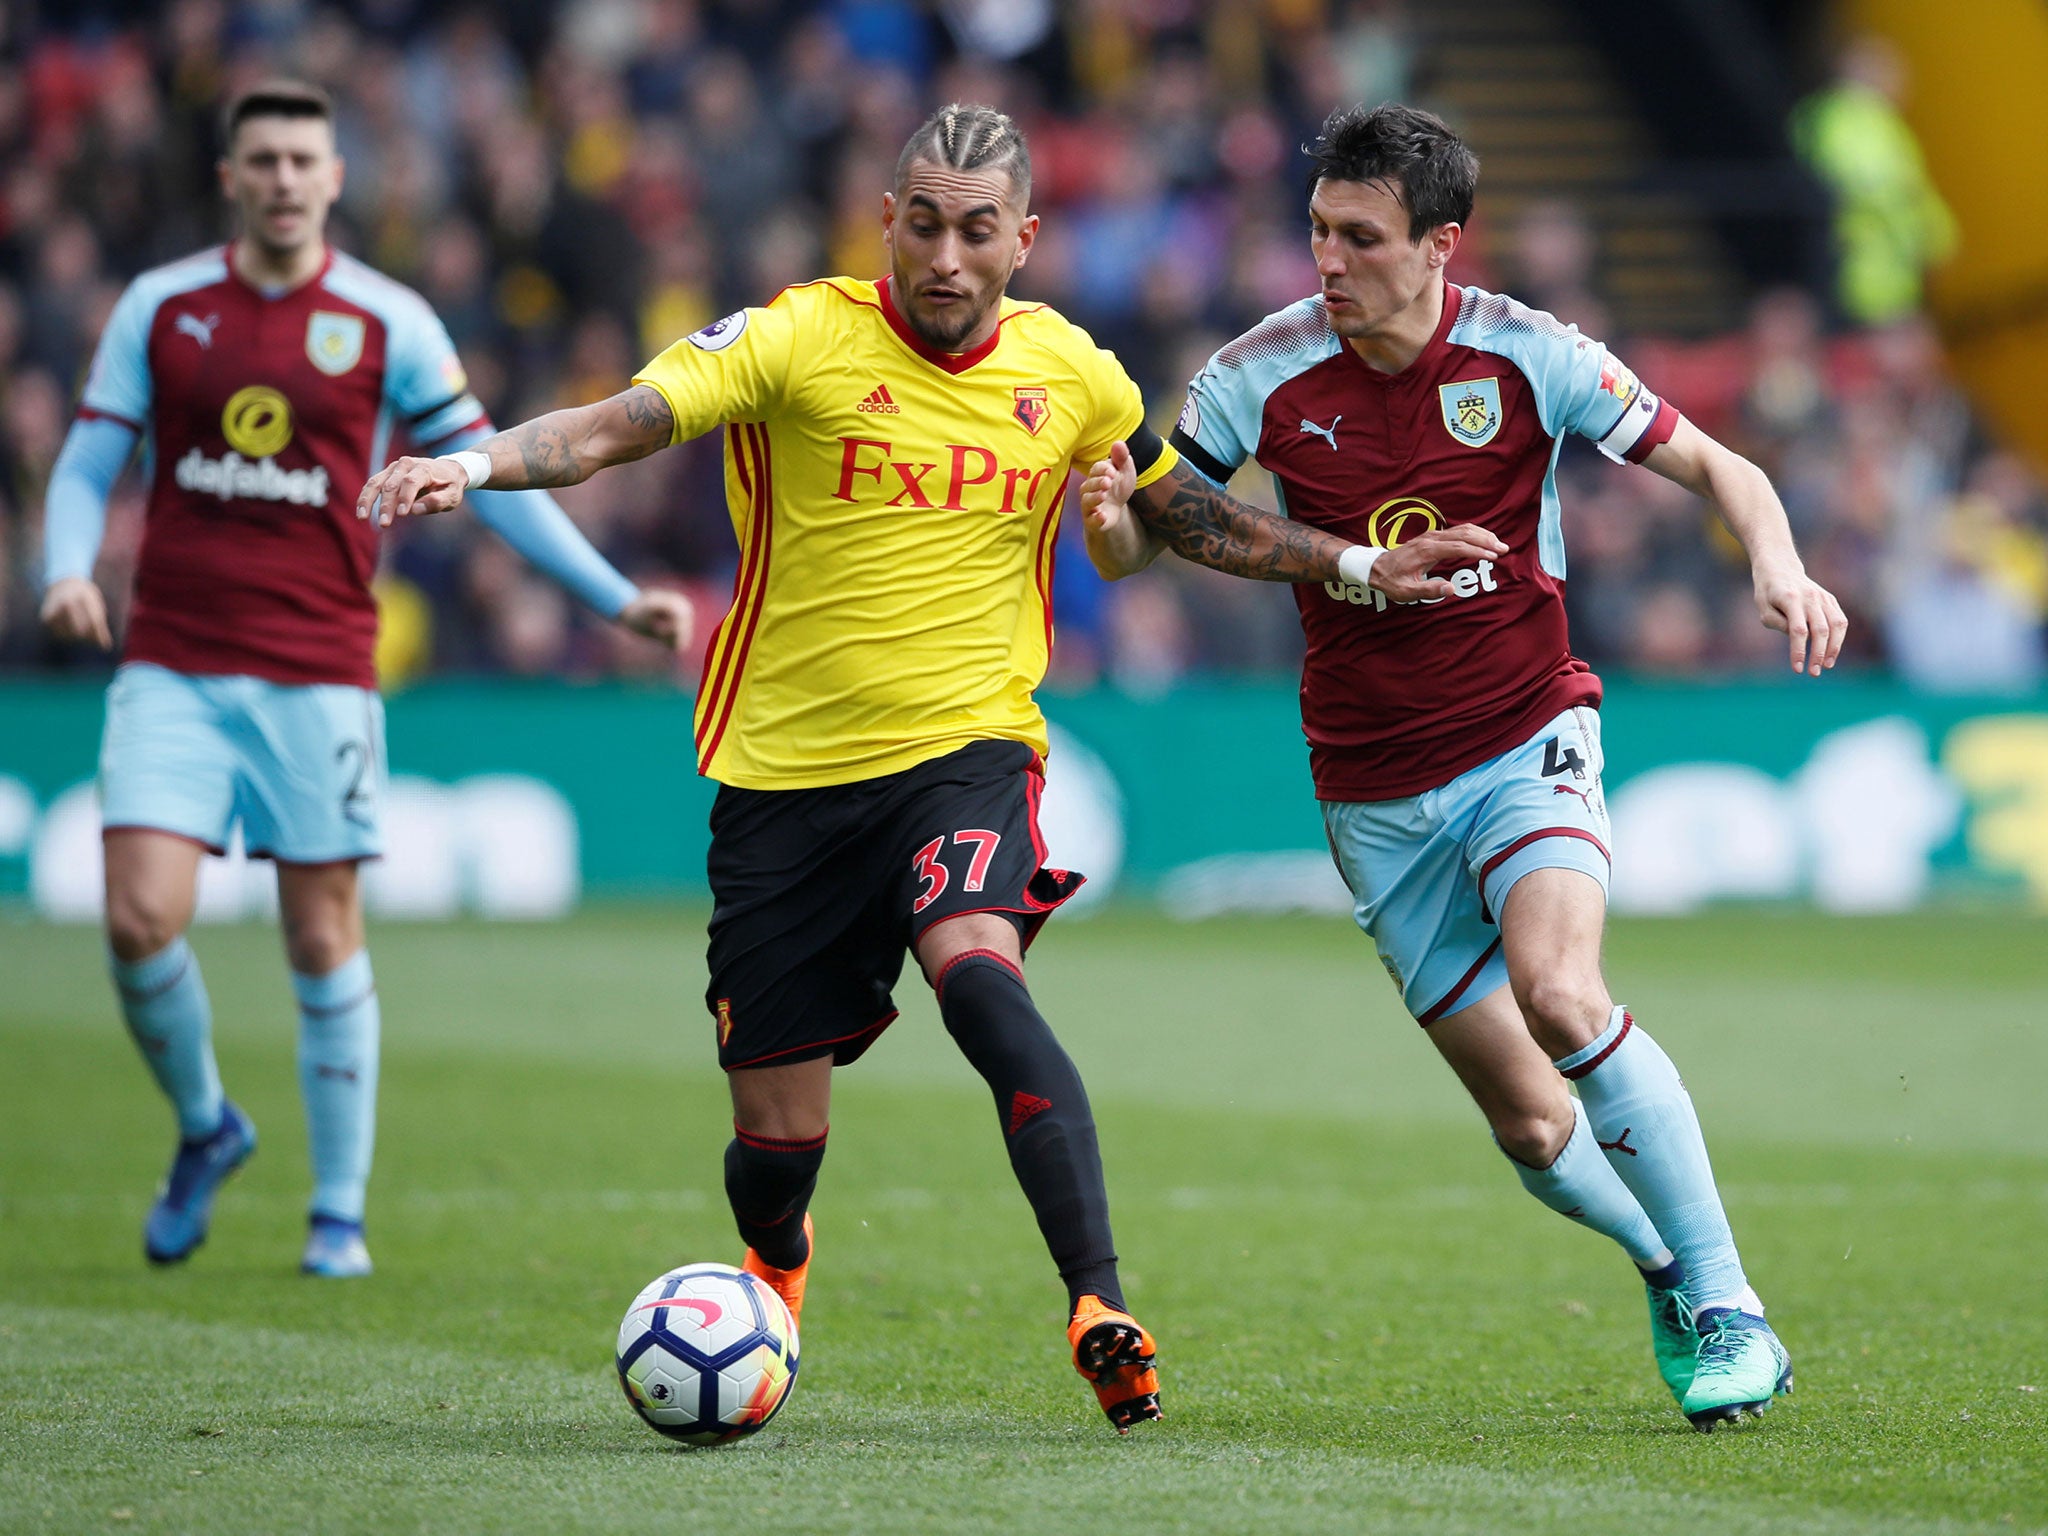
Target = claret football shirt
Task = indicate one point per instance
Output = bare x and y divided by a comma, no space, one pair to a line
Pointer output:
264,414
897,509
1400,698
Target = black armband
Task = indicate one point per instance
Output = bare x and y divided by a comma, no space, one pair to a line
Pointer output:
1201,457
1145,447
435,409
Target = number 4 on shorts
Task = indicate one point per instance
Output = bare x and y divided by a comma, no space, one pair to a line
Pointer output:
1569,761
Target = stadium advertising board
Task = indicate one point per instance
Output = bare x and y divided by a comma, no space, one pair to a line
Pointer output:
519,800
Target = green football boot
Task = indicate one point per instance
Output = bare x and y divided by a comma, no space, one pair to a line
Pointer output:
1741,1367
1673,1337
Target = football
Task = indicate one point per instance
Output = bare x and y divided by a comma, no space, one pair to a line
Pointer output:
707,1354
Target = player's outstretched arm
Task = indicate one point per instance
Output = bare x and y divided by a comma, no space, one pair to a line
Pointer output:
560,448
1182,511
95,452
1787,599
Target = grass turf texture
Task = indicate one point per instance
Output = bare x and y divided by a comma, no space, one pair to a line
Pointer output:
1365,1324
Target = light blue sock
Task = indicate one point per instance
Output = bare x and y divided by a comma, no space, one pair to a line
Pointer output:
1644,1121
164,1002
1580,1184
338,1031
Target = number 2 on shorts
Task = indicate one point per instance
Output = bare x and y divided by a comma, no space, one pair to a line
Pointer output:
929,869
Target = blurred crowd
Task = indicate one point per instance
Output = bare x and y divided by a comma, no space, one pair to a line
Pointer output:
575,185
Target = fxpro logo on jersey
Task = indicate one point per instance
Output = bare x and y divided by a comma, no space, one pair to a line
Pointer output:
1392,524
915,483
257,422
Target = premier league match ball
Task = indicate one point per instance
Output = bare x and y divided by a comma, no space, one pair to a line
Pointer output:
707,1354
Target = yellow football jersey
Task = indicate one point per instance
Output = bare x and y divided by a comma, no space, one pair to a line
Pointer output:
897,509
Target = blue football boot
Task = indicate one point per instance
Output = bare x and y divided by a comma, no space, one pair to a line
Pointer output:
335,1249
184,1207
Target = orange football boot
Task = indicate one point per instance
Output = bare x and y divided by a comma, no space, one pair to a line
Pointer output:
1115,1353
786,1283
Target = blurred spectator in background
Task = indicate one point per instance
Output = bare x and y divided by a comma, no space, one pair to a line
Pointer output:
1891,225
1966,613
574,185
1552,267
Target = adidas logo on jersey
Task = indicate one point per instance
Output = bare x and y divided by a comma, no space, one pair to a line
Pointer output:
1469,582
880,403
232,477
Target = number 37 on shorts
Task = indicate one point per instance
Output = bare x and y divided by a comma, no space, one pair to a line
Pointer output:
931,865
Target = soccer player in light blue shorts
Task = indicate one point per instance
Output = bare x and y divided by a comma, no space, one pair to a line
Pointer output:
1430,872
300,768
1452,733
265,380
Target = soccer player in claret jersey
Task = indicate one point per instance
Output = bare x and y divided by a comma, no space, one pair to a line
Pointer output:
1455,742
896,459
264,378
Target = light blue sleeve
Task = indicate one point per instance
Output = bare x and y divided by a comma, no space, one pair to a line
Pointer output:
95,451
1220,420
1220,425
1579,385
424,378
426,386
118,384
534,524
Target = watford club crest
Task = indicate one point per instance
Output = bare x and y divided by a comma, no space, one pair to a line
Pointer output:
1471,410
1031,409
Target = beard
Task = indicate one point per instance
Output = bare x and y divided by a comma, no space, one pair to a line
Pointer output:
941,329
948,329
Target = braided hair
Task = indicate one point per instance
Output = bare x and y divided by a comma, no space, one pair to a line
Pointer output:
970,138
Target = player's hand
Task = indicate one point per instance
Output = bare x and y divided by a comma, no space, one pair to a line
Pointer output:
1805,612
1119,543
1107,491
661,614
1403,572
411,488
74,610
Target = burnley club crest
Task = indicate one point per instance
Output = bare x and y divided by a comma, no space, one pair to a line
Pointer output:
334,343
1471,410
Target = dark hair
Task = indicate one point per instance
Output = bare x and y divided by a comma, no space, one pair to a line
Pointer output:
275,98
1412,153
970,138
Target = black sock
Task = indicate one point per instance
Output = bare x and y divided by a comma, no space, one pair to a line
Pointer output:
1044,1113
769,1184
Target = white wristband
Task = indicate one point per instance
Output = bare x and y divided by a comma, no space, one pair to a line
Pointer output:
475,465
1355,564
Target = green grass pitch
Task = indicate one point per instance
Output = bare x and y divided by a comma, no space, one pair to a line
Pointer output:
1365,1324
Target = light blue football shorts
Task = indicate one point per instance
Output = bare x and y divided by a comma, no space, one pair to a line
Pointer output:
300,767
1430,873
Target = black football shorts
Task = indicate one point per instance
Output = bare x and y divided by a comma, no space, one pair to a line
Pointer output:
818,893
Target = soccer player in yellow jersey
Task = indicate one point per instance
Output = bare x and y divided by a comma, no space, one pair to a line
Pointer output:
897,455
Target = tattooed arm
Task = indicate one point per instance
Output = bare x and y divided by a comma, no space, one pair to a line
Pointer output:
1182,511
1198,522
560,448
